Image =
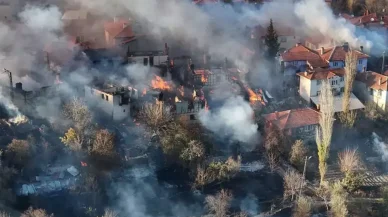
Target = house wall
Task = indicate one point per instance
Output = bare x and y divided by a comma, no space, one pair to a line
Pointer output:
295,63
336,64
361,64
109,103
367,94
140,59
305,133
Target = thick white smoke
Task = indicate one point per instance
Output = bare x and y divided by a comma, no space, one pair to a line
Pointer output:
234,119
380,147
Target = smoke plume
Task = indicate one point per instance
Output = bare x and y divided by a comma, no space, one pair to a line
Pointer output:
234,119
380,147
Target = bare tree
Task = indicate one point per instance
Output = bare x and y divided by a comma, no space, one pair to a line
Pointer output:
4,214
349,160
292,183
219,204
103,144
110,213
298,152
30,212
18,152
348,117
324,133
273,160
350,5
274,140
303,207
79,135
193,152
156,116
338,197
374,6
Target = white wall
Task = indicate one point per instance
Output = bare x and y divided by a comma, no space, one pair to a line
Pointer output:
309,88
361,64
110,104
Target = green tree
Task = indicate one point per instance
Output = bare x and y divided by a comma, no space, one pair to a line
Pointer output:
271,41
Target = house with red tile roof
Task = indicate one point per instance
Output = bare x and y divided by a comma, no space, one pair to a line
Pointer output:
300,58
299,123
372,87
310,83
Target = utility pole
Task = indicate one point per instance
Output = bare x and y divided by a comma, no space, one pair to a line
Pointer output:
10,81
382,66
304,174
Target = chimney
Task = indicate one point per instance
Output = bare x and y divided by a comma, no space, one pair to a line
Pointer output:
322,50
346,46
19,86
380,81
125,25
115,19
305,73
362,48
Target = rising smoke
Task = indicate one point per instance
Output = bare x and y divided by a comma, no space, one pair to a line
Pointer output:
380,147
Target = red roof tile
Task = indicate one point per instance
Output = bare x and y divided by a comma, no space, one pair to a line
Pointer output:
321,74
338,53
119,29
293,118
303,53
373,80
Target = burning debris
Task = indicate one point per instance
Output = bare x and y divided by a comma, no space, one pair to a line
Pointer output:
159,84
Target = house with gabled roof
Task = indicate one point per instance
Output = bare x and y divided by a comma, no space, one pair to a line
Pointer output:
300,58
298,123
372,87
310,84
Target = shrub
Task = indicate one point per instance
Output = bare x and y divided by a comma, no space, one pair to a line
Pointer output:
303,207
298,152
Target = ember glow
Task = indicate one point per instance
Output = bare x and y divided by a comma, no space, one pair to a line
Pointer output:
159,83
254,97
19,119
204,78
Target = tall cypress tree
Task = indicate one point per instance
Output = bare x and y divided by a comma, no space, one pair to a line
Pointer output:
271,41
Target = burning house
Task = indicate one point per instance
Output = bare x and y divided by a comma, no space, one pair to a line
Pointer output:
115,101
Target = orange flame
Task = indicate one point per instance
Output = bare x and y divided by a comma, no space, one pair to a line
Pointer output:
204,78
159,83
254,97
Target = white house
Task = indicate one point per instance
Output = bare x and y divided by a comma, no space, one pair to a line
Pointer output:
310,87
372,87
300,58
114,101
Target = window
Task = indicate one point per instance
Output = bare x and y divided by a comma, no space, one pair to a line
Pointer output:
145,61
342,79
106,97
124,110
333,82
335,63
342,89
318,92
371,91
360,62
319,82
102,96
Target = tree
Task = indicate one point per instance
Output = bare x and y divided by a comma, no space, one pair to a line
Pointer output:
219,204
73,140
324,132
104,145
292,183
110,213
18,152
194,152
4,214
348,117
338,197
156,116
30,212
349,160
350,5
271,41
374,6
303,207
298,152
273,160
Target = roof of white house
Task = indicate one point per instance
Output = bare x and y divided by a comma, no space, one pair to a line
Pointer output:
355,103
